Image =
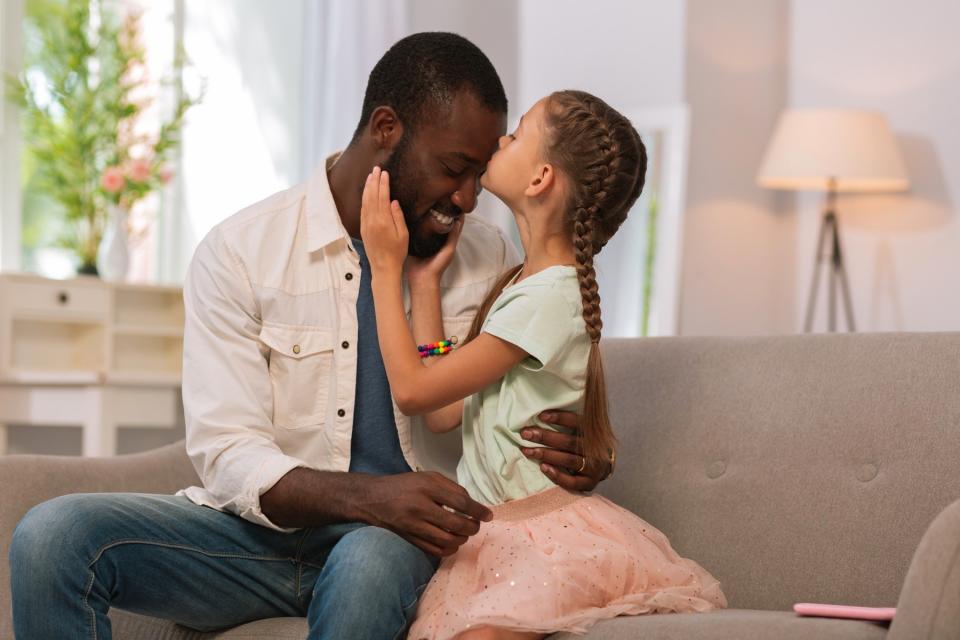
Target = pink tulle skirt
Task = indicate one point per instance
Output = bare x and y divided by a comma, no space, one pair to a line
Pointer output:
560,561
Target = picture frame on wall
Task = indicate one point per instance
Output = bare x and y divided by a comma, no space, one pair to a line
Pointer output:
640,268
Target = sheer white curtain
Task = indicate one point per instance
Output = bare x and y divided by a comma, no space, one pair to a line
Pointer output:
284,87
11,17
342,39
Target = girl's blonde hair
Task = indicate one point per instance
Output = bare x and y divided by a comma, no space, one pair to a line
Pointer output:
605,163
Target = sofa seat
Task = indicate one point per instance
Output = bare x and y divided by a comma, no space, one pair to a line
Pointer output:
729,624
818,468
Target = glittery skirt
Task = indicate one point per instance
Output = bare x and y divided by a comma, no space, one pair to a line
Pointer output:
560,561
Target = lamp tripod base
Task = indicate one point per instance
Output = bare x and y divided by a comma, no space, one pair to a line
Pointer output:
830,253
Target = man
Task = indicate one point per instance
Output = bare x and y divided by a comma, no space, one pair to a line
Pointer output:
311,503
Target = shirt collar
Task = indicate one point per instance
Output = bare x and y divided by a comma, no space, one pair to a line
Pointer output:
323,220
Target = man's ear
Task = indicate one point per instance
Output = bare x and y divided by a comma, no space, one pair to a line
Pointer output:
543,179
385,129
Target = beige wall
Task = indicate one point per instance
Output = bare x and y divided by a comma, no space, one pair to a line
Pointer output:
738,252
902,58
491,25
747,252
630,53
728,61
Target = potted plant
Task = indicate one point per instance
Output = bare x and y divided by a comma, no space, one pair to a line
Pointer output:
83,94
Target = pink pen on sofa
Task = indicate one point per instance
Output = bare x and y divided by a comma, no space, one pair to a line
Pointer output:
844,611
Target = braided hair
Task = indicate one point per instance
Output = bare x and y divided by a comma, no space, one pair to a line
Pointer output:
605,164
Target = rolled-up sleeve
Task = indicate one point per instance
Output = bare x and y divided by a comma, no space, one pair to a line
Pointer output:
227,395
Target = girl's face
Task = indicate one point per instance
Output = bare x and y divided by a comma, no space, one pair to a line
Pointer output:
518,155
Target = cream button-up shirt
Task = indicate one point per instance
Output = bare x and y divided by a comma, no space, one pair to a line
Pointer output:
269,353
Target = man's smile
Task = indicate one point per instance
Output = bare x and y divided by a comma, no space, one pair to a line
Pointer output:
440,220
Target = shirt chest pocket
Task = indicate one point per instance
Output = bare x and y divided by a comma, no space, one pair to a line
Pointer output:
301,372
458,327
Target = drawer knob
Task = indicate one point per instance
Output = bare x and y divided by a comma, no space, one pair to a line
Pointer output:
63,297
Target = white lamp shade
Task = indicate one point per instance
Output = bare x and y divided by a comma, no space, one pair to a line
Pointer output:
811,147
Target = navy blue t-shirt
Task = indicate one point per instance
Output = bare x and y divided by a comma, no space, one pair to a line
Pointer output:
375,445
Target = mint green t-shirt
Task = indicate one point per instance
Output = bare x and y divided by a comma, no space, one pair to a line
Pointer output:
542,314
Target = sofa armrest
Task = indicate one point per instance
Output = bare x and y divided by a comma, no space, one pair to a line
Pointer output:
929,605
28,480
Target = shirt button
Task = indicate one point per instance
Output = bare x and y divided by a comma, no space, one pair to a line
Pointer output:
345,344
296,348
349,276
341,412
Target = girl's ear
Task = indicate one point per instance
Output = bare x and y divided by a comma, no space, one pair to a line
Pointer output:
543,179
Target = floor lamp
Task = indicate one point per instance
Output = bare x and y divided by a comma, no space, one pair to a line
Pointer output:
833,151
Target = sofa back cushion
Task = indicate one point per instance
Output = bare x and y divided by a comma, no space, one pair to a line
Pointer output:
802,468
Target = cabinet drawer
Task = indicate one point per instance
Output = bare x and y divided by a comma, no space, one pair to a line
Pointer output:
55,298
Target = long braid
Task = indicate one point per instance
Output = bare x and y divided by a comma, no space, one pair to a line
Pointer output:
605,161
589,291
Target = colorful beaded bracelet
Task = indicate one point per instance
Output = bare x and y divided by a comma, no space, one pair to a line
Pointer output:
437,348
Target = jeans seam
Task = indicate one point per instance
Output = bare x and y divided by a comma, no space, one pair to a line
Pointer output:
303,539
166,545
86,603
298,564
298,568
400,632
183,547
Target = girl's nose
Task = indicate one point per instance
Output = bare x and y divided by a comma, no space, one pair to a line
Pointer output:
503,141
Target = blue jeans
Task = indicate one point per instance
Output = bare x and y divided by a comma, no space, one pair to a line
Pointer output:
75,556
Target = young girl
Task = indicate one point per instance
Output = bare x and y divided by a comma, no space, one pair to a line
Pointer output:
550,560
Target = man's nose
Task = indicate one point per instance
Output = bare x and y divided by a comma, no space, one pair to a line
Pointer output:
466,196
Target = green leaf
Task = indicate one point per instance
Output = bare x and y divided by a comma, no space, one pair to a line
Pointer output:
74,97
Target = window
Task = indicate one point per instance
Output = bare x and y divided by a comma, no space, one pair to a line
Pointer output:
33,222
10,17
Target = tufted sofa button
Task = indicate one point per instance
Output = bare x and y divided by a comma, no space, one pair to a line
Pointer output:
868,471
716,469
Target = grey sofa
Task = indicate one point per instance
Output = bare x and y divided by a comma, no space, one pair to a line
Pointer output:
804,468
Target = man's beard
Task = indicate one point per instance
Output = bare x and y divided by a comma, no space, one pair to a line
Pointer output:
403,189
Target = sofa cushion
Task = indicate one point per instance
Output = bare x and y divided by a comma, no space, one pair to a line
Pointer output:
731,624
794,468
131,626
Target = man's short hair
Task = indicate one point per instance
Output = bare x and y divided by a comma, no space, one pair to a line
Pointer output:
420,75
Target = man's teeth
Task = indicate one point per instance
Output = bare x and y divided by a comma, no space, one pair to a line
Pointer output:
441,218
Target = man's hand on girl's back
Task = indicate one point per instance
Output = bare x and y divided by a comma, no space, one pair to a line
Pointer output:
559,456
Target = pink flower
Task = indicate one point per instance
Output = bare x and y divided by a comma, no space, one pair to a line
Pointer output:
166,175
112,180
139,170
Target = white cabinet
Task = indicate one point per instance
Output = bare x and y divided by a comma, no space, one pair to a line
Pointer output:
90,354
